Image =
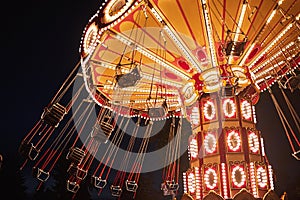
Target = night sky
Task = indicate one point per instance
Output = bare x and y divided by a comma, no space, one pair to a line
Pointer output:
39,47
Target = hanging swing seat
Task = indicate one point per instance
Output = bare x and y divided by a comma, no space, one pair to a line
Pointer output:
131,186
72,186
28,150
98,182
54,114
116,190
157,108
41,174
75,155
172,185
130,79
77,172
293,83
165,190
296,155
234,48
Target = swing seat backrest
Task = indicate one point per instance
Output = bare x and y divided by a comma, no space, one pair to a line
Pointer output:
131,186
116,191
33,152
98,182
42,175
75,155
172,186
72,186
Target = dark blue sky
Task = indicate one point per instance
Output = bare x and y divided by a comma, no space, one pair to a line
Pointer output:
39,47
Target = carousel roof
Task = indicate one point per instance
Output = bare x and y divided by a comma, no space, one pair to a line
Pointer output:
175,50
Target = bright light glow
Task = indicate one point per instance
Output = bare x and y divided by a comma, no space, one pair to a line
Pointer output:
90,38
271,177
229,108
210,143
234,141
210,178
262,147
261,175
253,142
271,16
209,110
210,35
246,110
238,176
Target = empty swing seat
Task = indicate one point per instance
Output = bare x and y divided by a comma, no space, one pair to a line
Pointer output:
75,155
54,114
172,186
116,191
28,150
72,186
166,192
130,79
41,174
131,186
98,182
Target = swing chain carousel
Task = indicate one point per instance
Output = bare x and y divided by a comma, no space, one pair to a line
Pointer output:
151,60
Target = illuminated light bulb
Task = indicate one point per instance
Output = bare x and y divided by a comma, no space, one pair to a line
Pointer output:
234,137
253,142
242,176
210,143
210,183
229,108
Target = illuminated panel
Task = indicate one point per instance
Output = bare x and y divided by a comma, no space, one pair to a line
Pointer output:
262,177
184,182
253,142
246,110
233,141
191,183
193,148
252,179
209,110
238,176
210,143
211,178
229,108
254,114
224,180
195,116
271,177
198,188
